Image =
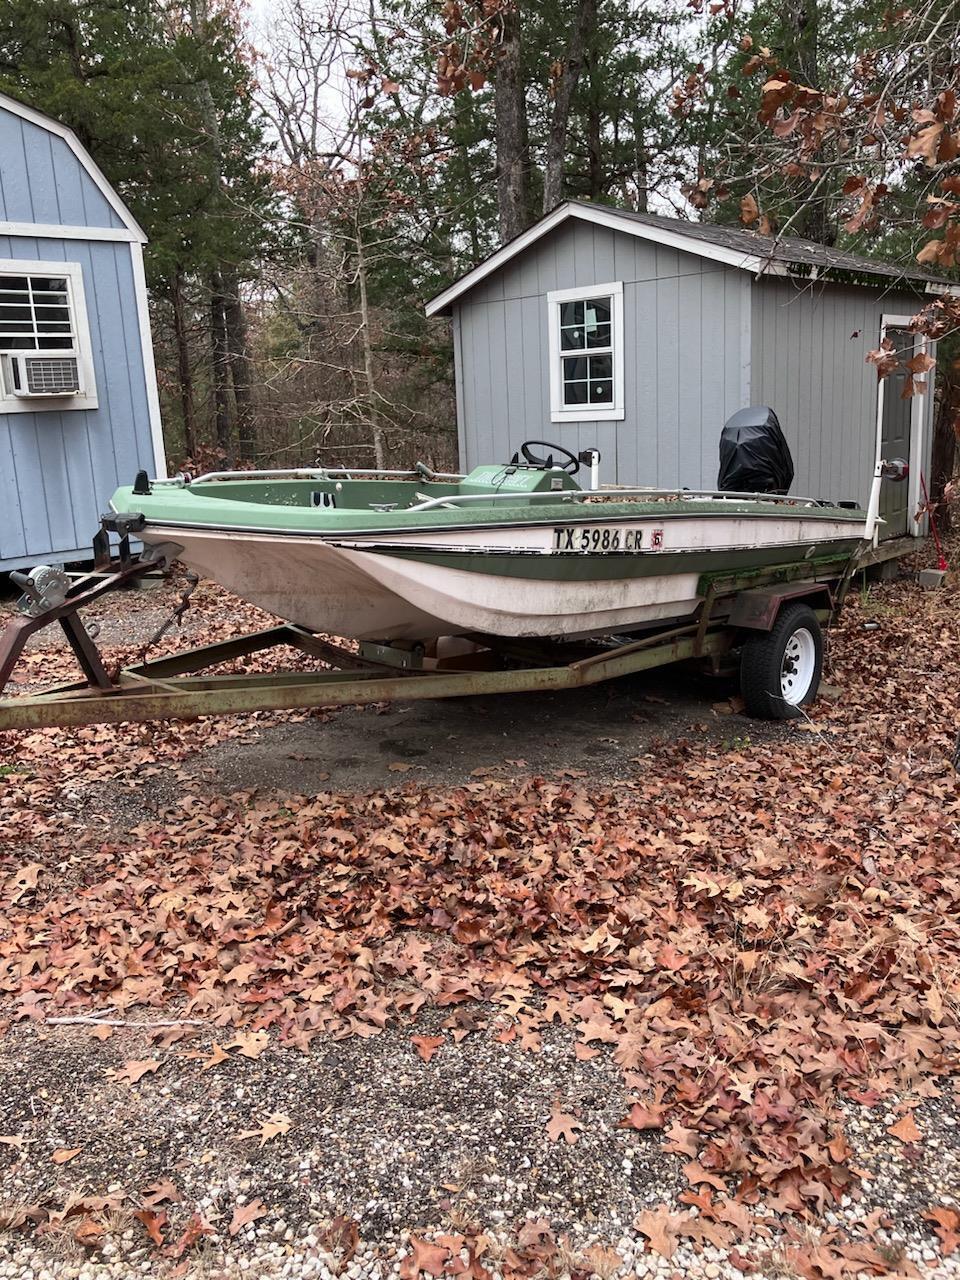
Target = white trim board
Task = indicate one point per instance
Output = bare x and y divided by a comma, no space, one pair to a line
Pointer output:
149,363
559,412
86,160
53,231
918,411
602,216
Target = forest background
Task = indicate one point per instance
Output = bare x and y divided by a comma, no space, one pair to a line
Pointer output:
310,172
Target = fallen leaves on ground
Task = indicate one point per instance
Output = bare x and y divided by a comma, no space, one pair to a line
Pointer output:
758,931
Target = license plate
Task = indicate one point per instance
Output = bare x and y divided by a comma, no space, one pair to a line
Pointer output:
599,539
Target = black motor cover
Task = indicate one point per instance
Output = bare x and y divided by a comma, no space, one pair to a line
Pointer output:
754,456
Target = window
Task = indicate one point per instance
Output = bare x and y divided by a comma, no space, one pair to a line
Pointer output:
586,353
44,340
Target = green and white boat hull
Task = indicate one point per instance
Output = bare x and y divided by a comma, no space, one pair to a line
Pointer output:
422,560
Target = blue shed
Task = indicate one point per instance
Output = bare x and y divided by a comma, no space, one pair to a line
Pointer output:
79,409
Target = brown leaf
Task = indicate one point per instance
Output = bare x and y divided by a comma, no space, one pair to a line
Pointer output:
136,1070
217,1055
88,1233
252,1044
561,1125
244,1214
276,1126
661,1227
749,210
642,1117
63,1154
424,1256
905,1129
153,1223
427,1046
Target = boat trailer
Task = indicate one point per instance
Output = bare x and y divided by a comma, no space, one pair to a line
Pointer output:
181,686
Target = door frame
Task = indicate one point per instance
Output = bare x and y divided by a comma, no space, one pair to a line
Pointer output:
918,416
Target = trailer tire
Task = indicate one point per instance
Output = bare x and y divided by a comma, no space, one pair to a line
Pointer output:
780,669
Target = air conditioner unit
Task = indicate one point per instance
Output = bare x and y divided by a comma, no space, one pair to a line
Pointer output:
43,374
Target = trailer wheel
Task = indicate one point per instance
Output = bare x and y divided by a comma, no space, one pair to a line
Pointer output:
780,669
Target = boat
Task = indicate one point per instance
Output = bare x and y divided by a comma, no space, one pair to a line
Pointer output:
518,549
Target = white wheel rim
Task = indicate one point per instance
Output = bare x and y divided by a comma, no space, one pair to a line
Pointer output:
798,665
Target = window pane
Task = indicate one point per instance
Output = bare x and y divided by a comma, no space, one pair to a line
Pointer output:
601,367
48,284
571,313
598,336
19,344
52,326
575,393
10,311
601,392
597,311
13,282
56,344
572,339
575,369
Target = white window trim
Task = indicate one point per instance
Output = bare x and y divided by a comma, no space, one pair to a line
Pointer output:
918,414
586,413
86,397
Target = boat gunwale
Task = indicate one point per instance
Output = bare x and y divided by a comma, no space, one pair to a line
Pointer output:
833,515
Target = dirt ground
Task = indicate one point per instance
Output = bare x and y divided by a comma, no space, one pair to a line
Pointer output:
448,1148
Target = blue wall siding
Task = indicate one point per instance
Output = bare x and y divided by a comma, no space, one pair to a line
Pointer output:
41,180
57,469
687,356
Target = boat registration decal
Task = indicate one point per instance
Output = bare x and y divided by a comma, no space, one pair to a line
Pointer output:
599,539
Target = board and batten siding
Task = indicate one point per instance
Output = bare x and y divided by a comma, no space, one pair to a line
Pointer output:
42,180
809,361
687,351
58,467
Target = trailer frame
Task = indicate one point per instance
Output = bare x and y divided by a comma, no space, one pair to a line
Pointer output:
175,687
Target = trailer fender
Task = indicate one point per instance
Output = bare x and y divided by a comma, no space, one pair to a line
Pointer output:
756,609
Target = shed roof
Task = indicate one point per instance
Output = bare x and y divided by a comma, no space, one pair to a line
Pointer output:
86,160
732,246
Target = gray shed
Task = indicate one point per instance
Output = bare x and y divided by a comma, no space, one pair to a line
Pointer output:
79,410
640,335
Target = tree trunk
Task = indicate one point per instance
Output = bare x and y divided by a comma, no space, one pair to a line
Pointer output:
188,410
379,453
642,162
594,151
510,119
582,28
220,370
944,457
241,369
802,56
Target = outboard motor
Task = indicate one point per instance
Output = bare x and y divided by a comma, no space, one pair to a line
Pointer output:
754,455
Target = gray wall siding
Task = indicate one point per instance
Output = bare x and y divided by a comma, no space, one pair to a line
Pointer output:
57,469
810,344
687,356
42,181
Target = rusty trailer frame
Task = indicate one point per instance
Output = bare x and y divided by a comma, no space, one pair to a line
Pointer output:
172,687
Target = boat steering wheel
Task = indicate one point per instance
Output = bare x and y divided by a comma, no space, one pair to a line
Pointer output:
571,466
